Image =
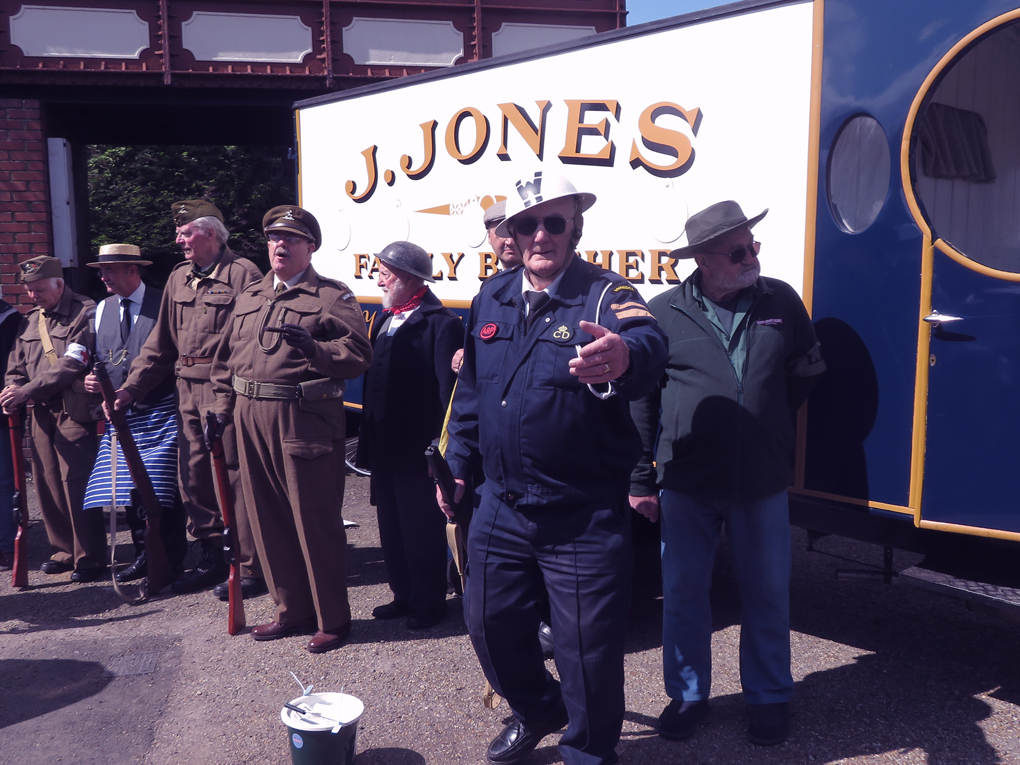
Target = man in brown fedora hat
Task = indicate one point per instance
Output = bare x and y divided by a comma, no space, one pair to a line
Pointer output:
48,366
123,323
743,358
193,316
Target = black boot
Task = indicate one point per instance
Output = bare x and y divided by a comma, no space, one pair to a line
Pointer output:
136,570
212,568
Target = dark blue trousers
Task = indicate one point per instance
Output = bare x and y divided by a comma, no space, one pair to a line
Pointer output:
580,556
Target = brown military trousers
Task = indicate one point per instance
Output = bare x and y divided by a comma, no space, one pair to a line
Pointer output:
198,487
63,452
292,473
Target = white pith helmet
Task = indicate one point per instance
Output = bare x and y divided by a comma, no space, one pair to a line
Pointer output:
541,187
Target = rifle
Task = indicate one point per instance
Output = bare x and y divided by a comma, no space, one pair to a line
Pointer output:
19,575
155,553
443,476
235,606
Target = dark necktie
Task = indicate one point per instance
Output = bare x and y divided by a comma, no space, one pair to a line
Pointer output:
535,302
125,320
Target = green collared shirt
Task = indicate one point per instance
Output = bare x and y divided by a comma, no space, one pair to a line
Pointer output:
734,337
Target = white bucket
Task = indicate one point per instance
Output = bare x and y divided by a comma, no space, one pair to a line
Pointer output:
312,737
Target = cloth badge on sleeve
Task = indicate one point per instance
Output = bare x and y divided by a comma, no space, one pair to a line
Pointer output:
768,322
630,310
78,352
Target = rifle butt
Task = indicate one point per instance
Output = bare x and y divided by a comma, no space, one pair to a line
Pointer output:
19,573
158,563
235,607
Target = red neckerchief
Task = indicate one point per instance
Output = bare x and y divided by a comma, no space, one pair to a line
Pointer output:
410,305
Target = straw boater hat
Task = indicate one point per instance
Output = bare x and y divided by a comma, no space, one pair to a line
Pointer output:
120,253
712,222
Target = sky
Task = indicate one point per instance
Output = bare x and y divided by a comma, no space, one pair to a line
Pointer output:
640,11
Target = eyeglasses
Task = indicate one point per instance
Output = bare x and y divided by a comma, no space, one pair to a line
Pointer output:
277,238
737,255
554,224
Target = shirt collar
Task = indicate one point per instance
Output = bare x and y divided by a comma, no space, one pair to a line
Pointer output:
137,296
291,282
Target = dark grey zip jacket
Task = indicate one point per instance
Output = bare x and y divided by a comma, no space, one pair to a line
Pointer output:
724,438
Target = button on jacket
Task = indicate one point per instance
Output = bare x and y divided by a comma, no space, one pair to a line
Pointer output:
544,437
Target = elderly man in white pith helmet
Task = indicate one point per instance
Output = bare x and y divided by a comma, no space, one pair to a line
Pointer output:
554,352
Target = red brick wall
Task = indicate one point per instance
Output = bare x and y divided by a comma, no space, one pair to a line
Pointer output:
24,194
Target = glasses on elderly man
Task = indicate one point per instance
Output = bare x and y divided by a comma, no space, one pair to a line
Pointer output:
277,238
738,254
554,224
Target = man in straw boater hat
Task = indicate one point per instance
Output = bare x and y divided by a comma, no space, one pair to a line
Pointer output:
193,315
744,357
123,323
293,341
48,366
554,352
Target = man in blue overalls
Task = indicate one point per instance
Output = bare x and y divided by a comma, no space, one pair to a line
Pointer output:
554,351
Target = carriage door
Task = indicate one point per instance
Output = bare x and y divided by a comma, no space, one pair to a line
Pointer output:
963,159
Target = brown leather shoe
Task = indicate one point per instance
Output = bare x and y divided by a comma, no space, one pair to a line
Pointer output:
327,641
275,631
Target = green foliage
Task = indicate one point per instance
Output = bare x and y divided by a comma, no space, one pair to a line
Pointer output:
132,188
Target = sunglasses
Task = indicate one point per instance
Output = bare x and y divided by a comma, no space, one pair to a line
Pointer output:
738,255
277,238
554,224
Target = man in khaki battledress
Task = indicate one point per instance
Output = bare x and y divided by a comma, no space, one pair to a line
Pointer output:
280,371
48,367
193,315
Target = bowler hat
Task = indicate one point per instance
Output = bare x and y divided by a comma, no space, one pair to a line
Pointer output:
294,219
191,209
120,253
712,222
40,267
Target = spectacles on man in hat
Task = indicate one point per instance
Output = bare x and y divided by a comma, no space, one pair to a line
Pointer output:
737,254
289,239
526,226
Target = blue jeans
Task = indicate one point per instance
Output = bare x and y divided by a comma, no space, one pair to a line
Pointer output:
759,538
8,526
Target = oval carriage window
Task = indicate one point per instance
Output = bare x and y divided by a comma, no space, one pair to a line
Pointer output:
859,173
965,152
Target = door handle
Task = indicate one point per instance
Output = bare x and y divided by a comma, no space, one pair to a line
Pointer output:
937,319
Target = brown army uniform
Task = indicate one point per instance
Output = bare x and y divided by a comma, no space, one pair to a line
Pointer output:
63,450
291,448
194,314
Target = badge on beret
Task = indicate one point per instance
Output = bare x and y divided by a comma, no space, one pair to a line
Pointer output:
488,332
562,334
30,266
289,215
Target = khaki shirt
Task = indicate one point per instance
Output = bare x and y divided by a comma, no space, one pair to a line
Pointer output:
326,308
194,314
70,325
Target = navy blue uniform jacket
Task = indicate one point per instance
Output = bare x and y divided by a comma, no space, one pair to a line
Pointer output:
543,438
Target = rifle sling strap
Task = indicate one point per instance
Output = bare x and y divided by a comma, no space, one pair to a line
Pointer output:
47,343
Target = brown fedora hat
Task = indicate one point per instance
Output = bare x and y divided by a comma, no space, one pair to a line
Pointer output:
721,218
120,253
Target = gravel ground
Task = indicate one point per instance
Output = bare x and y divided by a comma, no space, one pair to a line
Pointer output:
884,674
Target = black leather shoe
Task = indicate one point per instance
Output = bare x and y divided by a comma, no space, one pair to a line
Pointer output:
680,719
769,724
136,570
251,587
90,574
545,639
516,741
212,569
423,621
6,560
393,610
55,567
